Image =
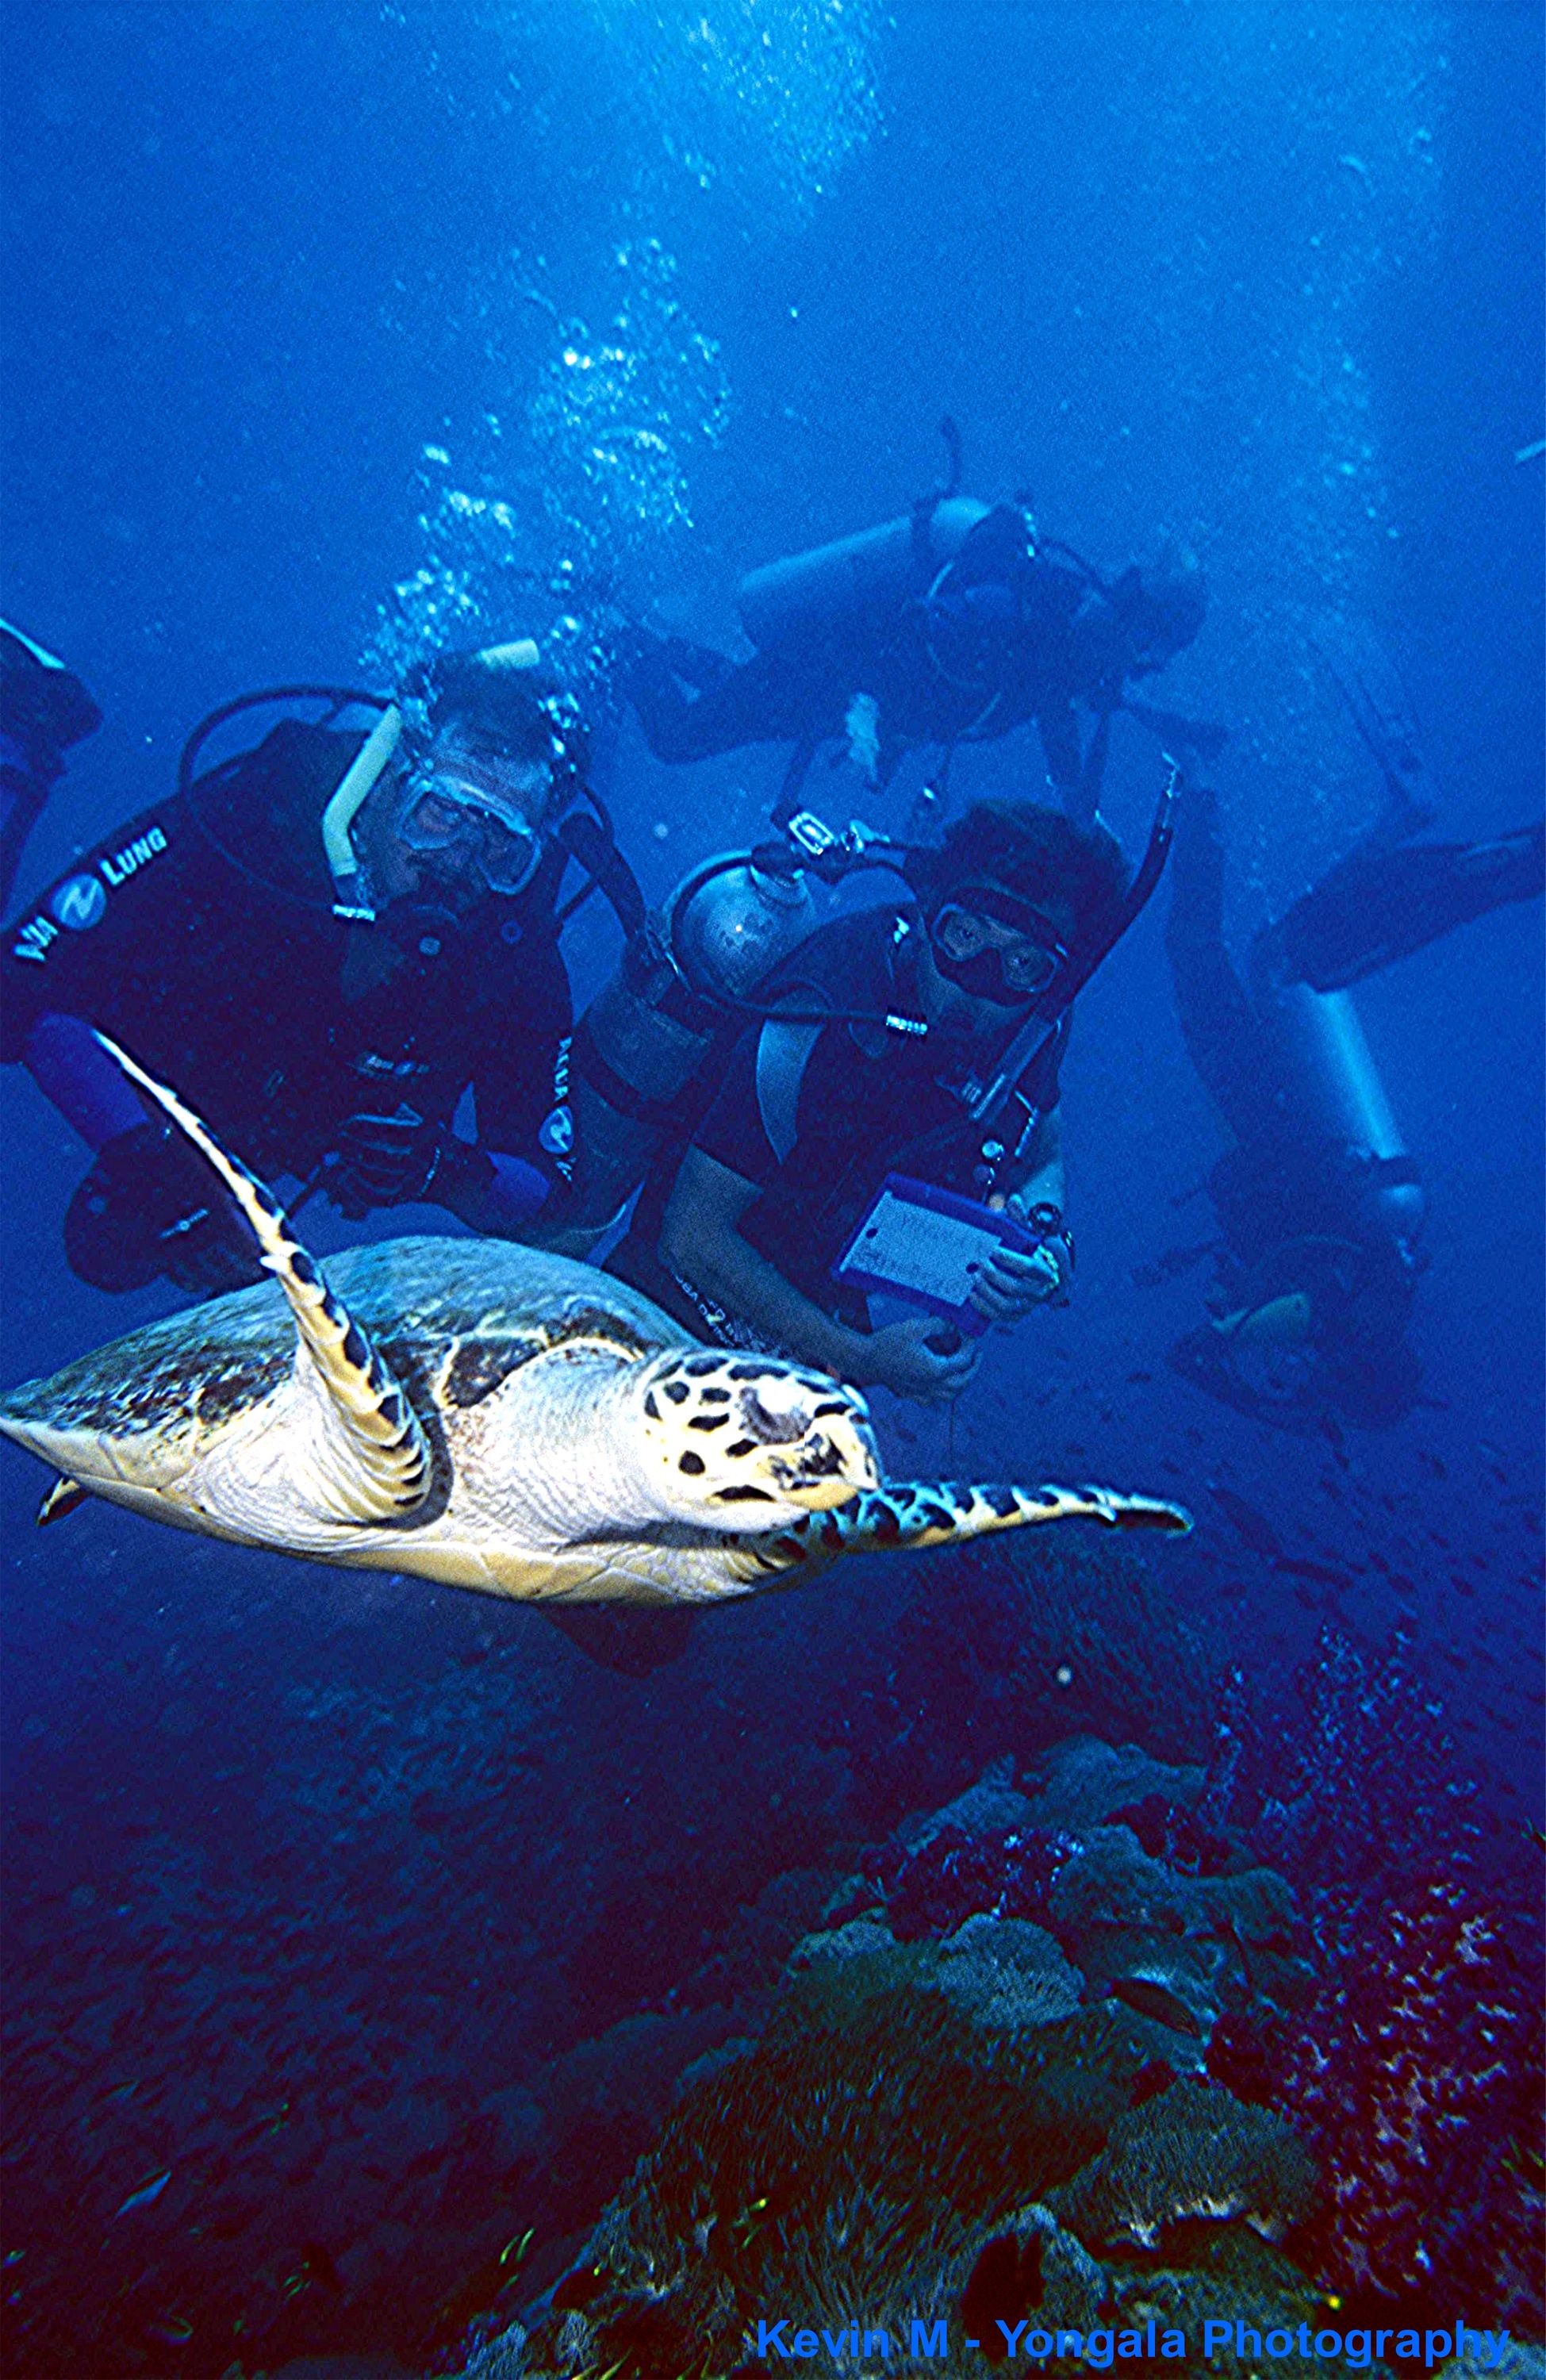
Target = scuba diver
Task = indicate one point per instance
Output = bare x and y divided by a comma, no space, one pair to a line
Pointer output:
1319,1203
325,941
881,1109
43,710
953,624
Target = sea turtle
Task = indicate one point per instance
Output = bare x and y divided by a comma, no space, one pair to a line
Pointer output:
489,1416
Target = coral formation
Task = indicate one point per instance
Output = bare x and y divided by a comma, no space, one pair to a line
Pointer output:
1231,2275
1193,2154
1413,2073
957,2116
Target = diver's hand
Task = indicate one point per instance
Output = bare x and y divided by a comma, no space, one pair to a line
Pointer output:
905,1358
382,1160
210,1251
1010,1283
150,1209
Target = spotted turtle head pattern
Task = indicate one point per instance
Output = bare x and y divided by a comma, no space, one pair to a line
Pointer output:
744,1442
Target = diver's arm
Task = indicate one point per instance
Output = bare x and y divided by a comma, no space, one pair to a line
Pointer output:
701,1241
1059,727
1091,776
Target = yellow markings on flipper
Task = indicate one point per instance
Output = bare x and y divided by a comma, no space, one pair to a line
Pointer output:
916,1514
386,1454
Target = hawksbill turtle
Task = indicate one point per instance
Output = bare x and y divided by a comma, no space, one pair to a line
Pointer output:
490,1416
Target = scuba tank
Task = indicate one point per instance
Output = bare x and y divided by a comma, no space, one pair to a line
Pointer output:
689,980
875,568
677,990
1324,1054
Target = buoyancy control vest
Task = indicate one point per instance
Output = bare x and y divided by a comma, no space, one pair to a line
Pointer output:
648,1051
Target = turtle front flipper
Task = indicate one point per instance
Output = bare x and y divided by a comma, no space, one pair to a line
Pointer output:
917,1513
372,1461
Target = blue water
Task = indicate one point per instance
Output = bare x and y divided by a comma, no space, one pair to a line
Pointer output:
327,327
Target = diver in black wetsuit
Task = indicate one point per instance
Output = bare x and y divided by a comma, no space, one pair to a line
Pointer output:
1320,1205
878,1031
912,649
325,943
43,710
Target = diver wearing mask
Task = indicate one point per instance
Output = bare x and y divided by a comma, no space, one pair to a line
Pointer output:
955,625
920,1043
326,942
1320,1205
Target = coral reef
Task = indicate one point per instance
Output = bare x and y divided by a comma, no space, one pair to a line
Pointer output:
1231,2275
1413,2068
995,1971
1193,2154
1413,2075
956,2118
862,2156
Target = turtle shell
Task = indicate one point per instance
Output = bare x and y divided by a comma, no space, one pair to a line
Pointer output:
452,1318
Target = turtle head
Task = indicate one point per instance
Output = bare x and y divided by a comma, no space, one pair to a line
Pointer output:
747,1442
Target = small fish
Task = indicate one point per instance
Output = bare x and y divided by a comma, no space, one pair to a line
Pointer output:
1251,1525
318,2265
1434,1464
146,2193
1528,453
1155,2001
172,2329
1140,1380
1331,1430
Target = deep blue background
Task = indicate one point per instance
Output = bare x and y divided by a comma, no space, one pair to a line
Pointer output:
1267,277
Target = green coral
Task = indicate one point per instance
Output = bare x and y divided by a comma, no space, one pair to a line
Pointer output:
1193,2154
1232,2276
1214,1941
995,1971
852,2167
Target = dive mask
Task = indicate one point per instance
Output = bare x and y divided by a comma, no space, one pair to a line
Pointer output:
1009,959
474,814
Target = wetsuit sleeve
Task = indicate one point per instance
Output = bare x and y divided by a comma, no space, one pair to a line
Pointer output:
732,1129
96,933
790,691
1059,725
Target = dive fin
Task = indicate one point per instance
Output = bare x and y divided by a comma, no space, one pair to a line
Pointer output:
63,1498
917,1513
386,1453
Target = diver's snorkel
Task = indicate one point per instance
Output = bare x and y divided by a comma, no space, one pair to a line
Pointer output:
985,1100
351,897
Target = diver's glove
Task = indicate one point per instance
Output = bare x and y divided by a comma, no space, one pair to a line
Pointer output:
150,1209
383,1160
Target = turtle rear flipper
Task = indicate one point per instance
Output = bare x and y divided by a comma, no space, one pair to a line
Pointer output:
372,1461
64,1497
913,1515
